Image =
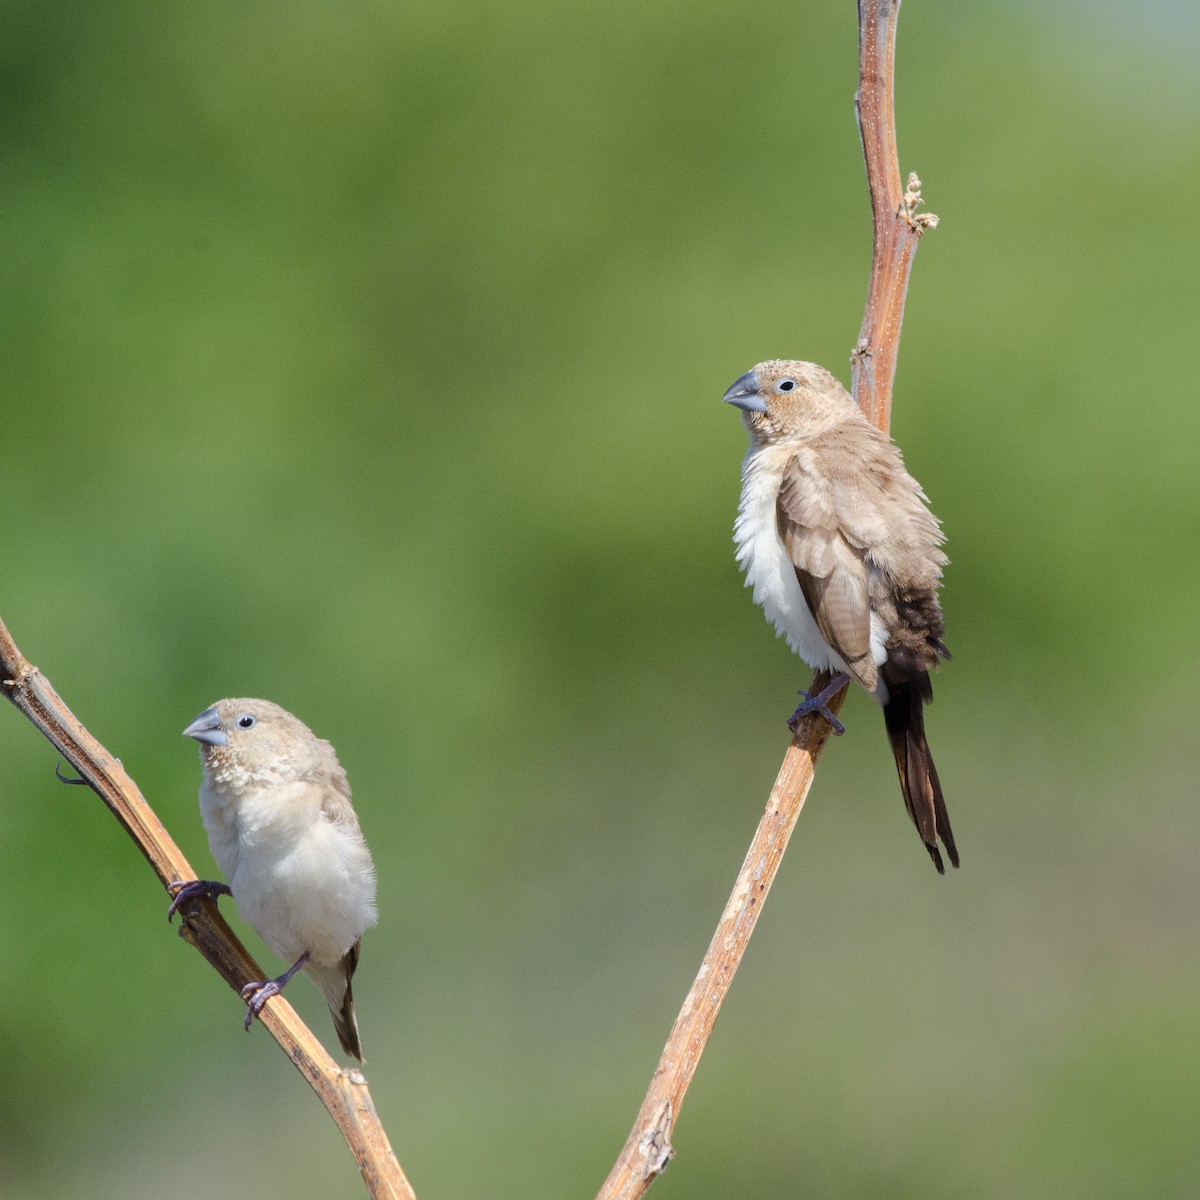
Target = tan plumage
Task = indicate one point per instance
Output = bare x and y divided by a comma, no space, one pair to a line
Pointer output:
845,558
281,826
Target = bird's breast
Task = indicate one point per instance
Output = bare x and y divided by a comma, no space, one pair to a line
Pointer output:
304,882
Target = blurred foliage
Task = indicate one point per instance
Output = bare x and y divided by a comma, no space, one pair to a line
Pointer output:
369,359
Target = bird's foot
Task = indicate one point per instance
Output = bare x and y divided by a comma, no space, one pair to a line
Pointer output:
183,890
257,993
820,704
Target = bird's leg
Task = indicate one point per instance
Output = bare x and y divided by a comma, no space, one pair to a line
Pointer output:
182,891
256,994
820,704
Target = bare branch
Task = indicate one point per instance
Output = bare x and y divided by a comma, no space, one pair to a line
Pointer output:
344,1093
898,228
649,1149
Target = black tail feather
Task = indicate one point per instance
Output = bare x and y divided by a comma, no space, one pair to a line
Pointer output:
905,719
344,1020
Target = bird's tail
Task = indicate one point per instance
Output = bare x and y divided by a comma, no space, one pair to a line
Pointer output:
904,716
334,983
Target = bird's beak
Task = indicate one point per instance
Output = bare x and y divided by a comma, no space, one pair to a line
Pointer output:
744,394
206,728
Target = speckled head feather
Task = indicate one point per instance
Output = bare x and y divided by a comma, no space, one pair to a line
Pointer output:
783,396
261,743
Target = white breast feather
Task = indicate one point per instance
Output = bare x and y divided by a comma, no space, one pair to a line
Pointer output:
306,885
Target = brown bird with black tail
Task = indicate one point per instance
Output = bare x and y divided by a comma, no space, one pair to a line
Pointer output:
843,554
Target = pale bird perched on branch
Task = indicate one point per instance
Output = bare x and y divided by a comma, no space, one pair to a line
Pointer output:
845,558
276,805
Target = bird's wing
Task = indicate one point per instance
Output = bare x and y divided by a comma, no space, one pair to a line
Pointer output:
830,561
335,798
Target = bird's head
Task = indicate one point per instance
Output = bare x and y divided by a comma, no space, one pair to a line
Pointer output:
257,742
784,398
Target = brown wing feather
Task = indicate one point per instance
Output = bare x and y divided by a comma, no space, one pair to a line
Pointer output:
833,575
335,798
857,529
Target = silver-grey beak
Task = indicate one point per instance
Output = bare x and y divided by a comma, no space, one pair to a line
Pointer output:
206,728
743,394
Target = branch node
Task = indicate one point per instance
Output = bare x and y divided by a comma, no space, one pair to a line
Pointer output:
655,1145
912,201
20,680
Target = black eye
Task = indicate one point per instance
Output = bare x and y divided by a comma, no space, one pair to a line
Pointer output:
785,385
245,721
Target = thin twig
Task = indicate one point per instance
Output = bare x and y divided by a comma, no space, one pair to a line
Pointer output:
344,1093
897,230
897,225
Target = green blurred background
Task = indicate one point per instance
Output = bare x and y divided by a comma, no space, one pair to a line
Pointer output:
369,358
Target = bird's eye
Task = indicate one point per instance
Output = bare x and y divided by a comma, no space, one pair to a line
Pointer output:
245,721
785,385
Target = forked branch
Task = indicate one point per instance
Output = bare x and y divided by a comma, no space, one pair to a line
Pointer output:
898,228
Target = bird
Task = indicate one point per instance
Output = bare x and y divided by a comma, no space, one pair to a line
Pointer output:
276,805
843,554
